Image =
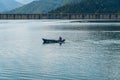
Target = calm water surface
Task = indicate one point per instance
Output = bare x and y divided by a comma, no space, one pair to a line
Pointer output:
91,52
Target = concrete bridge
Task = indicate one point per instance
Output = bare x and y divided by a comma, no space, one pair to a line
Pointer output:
60,16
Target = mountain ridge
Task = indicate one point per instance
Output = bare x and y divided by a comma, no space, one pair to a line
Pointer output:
6,5
41,6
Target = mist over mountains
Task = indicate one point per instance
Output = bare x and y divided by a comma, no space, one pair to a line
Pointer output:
24,1
6,5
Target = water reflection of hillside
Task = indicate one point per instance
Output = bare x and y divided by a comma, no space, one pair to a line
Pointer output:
90,27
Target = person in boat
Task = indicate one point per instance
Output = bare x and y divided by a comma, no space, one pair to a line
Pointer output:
60,38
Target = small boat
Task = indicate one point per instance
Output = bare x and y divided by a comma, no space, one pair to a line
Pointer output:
53,41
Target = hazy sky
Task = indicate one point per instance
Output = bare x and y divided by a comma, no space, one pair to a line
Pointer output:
24,1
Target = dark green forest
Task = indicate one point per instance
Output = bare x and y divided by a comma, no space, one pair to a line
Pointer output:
90,6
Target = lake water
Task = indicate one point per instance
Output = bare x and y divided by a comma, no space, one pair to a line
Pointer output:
91,50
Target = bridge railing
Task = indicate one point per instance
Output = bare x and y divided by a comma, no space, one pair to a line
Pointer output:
60,16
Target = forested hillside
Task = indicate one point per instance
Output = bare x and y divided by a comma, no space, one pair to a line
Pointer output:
42,6
91,6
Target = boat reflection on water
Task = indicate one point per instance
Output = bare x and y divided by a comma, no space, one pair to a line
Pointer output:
54,43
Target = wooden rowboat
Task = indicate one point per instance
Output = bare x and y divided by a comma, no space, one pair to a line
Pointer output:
53,41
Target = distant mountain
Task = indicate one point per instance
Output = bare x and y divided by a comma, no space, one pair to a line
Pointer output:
91,6
6,5
42,6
